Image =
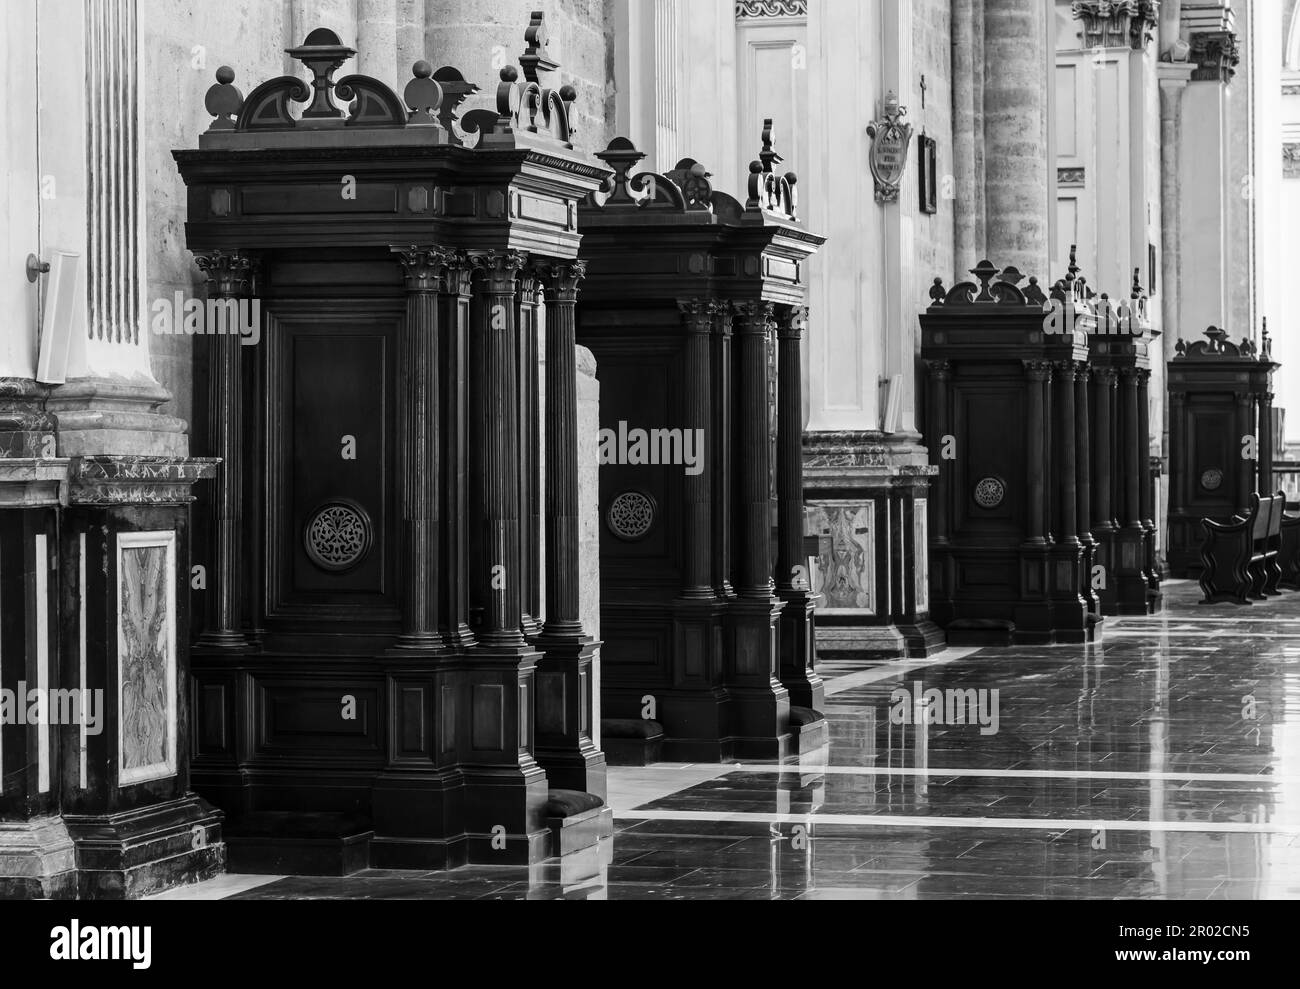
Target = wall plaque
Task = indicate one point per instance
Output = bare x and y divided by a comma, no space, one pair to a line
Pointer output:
890,142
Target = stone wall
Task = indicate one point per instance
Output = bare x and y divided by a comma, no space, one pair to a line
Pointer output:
932,54
479,37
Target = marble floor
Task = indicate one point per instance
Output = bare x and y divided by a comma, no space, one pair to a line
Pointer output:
1163,764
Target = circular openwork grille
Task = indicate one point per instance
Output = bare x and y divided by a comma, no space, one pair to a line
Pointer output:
990,493
631,516
1212,480
338,536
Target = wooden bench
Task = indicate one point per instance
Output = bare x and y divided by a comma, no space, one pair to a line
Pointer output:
1241,557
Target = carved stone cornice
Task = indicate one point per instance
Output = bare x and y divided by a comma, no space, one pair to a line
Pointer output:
1118,23
1216,55
771,8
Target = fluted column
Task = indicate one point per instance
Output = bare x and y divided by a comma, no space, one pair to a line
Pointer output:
1103,480
562,520
566,672
721,467
230,277
418,437
454,309
1146,496
497,480
936,429
754,457
698,500
1038,375
1266,451
789,492
530,437
1083,444
1016,66
1067,494
1131,452
1246,426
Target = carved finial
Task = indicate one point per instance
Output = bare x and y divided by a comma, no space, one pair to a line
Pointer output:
323,53
985,271
455,91
536,59
1266,351
937,292
424,96
768,155
1011,275
1138,291
1034,293
224,100
1073,271
621,156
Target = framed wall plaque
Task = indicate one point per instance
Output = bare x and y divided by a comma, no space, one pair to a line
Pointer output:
928,163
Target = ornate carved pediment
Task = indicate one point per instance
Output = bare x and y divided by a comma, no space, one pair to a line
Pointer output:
1216,346
426,113
1118,23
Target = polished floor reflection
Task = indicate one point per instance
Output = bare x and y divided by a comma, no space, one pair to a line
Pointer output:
1164,763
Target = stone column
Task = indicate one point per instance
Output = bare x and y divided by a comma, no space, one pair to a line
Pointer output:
1017,184
1173,83
566,671
230,278
418,437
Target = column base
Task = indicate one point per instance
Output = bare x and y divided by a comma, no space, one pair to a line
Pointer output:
38,860
131,854
760,705
798,651
563,685
102,416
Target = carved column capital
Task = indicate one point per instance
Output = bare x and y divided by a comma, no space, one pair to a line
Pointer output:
1118,23
229,274
1038,370
1216,55
939,370
500,269
792,323
753,317
562,279
425,268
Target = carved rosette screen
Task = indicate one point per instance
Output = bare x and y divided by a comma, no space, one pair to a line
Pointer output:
146,646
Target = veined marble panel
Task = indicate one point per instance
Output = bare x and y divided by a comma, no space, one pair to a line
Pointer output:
146,649
845,572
